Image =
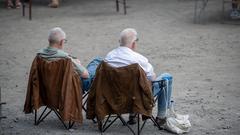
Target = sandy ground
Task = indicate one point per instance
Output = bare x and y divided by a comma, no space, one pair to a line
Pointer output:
204,59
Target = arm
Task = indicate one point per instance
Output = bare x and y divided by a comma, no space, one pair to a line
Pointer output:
81,69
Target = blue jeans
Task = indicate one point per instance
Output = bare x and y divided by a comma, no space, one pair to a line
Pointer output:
163,95
91,67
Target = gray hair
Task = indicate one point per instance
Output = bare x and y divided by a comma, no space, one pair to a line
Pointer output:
128,36
56,35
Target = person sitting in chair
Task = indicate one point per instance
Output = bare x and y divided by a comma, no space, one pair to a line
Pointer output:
125,55
57,39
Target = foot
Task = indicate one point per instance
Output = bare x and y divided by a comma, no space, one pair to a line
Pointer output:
132,120
18,4
161,121
53,5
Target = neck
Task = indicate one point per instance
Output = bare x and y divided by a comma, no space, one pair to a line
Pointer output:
55,46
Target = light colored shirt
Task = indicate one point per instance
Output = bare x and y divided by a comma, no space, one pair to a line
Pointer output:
123,56
51,53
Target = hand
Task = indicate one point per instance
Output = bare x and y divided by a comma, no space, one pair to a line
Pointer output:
77,61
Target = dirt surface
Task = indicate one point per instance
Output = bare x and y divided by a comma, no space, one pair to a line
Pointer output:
203,58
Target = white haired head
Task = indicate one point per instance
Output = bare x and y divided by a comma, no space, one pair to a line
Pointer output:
128,36
56,35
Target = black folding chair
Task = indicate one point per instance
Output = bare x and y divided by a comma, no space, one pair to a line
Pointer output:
51,105
104,125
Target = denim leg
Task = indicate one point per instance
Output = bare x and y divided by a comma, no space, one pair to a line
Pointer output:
164,95
86,83
91,67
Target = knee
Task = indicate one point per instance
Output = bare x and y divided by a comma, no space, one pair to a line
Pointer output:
166,76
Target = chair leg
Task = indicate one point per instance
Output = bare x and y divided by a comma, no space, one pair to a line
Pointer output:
35,117
223,11
125,123
23,8
30,9
138,125
117,5
125,7
142,126
70,124
103,126
106,127
100,126
59,117
42,116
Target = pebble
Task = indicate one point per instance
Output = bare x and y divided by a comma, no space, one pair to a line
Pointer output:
15,120
220,119
208,80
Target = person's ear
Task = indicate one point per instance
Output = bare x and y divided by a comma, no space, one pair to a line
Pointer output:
61,44
133,45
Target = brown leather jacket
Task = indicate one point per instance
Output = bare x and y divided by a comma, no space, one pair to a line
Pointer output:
55,84
118,91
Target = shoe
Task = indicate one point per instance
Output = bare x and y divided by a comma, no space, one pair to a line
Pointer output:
18,4
132,120
9,4
54,4
160,121
235,14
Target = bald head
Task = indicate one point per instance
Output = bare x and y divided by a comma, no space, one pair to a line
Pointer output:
128,37
56,35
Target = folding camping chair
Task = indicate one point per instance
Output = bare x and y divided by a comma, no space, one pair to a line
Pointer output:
55,85
132,72
107,123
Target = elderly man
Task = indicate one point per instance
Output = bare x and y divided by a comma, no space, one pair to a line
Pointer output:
57,39
125,55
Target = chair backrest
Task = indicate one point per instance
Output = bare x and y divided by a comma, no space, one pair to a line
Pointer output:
55,84
119,90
